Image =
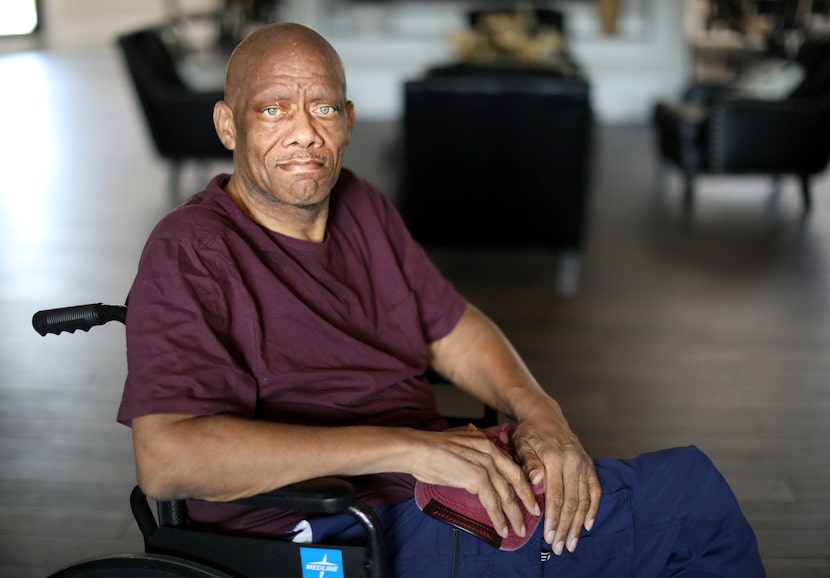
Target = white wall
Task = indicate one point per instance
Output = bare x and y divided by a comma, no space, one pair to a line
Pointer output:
72,23
630,73
645,61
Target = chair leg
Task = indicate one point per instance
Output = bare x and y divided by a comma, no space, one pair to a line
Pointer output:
660,177
775,195
776,185
806,194
568,272
688,191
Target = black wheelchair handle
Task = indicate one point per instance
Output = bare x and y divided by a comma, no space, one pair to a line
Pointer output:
83,317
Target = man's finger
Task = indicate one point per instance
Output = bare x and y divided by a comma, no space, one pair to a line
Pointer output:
581,513
512,488
595,495
569,510
554,497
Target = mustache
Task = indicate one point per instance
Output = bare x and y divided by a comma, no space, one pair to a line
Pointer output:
300,156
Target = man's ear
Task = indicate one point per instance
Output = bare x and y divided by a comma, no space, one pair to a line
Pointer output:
223,122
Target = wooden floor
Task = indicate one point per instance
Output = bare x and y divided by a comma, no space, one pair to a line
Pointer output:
714,332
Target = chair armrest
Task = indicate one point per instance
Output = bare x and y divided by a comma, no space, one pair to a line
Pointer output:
317,496
181,122
705,93
682,112
329,496
320,496
748,135
682,129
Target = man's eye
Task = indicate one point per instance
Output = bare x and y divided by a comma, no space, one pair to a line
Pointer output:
272,111
327,109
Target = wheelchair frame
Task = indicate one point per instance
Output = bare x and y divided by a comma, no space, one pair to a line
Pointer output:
172,549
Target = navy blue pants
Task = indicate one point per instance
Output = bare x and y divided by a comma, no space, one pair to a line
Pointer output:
666,513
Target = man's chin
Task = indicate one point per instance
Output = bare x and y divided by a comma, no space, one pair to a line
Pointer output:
308,193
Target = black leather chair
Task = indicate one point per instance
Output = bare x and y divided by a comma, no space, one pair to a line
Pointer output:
720,130
179,118
172,548
498,157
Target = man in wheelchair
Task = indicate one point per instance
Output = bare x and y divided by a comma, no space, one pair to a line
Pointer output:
279,328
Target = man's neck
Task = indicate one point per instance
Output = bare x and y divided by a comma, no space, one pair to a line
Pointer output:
306,223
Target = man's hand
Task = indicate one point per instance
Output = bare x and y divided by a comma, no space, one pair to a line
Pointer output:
477,357
468,459
547,448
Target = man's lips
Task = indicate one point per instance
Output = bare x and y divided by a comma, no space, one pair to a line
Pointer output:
300,164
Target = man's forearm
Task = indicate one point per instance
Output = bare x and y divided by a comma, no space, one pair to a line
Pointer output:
479,359
222,458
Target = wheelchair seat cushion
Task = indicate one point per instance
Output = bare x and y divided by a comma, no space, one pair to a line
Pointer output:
460,508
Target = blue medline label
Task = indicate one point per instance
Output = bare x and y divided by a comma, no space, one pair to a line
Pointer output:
319,563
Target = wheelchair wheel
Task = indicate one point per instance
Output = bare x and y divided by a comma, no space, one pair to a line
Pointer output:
139,566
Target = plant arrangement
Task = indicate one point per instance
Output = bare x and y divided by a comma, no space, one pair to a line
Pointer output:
510,38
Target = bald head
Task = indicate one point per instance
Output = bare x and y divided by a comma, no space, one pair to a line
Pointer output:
280,41
287,120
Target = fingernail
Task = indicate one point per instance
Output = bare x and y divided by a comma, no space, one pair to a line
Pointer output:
504,532
522,532
589,524
572,545
533,476
558,547
550,536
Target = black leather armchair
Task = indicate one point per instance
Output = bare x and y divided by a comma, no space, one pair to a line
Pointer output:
179,118
498,157
719,130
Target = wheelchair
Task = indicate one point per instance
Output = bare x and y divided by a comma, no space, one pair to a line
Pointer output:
173,549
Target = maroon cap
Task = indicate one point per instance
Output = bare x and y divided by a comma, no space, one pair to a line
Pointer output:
460,508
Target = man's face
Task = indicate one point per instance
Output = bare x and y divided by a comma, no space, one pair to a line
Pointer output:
292,124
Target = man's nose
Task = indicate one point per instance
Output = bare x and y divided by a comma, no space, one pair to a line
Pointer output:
303,130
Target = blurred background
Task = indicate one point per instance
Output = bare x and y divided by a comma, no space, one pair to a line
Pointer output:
656,321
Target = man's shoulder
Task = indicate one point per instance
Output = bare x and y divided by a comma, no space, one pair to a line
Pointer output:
356,192
200,217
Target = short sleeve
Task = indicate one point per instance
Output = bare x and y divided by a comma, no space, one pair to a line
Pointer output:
180,330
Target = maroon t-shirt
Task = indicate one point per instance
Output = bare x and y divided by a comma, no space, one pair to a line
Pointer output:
227,317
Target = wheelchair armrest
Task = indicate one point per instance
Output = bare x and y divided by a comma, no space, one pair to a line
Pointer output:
329,496
317,496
